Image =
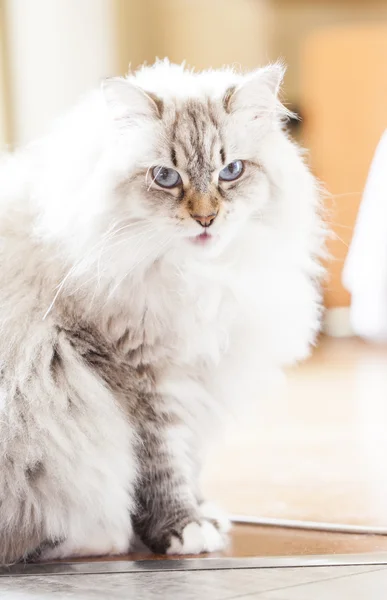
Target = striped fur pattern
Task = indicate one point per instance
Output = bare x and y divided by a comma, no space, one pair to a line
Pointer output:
128,327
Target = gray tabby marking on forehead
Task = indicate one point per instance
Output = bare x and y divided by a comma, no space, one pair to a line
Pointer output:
196,131
213,113
173,157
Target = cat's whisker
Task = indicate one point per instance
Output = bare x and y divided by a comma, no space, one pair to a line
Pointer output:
120,281
133,225
343,195
140,243
83,284
138,263
341,225
147,175
335,236
133,236
124,235
122,239
70,272
115,244
145,230
60,287
154,179
138,228
97,275
112,233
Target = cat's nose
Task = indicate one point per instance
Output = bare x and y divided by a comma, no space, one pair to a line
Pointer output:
205,220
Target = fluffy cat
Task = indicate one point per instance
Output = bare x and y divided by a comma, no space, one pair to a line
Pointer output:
159,259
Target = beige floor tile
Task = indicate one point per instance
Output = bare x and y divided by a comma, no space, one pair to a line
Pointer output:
183,585
358,586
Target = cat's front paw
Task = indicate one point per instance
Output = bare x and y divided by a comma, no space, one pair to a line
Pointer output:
197,538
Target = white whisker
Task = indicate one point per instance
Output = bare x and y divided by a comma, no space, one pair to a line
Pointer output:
139,262
146,229
106,236
343,195
154,179
60,287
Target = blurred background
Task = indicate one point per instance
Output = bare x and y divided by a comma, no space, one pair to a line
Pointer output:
322,439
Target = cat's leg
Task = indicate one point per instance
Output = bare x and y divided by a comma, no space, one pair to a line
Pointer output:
168,517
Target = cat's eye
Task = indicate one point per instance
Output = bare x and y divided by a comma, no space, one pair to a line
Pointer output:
232,171
165,177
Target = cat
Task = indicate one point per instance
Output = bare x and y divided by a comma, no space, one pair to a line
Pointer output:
160,260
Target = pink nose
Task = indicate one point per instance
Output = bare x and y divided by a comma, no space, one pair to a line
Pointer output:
205,220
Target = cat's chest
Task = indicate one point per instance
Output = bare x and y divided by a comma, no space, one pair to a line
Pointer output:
194,314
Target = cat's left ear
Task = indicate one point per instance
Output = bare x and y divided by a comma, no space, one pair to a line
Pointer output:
130,103
258,94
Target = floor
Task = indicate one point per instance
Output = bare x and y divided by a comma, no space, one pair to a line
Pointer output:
249,541
300,583
316,449
253,541
313,451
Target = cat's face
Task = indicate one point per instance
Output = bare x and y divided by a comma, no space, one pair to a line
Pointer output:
197,173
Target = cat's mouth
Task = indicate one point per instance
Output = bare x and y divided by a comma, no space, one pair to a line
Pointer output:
202,238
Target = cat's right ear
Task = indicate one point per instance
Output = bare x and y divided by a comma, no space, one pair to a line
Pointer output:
128,102
257,95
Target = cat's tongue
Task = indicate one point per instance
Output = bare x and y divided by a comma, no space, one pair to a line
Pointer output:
203,238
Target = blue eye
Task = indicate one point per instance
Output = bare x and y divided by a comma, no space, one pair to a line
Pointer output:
165,177
232,171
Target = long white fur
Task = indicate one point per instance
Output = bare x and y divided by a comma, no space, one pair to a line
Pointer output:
242,312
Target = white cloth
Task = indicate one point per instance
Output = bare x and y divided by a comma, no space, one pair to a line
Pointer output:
365,270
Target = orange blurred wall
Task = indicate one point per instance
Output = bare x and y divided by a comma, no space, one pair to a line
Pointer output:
344,98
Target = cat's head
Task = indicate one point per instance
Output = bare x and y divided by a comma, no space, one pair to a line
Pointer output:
188,147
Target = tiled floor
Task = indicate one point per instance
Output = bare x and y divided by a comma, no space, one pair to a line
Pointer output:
304,583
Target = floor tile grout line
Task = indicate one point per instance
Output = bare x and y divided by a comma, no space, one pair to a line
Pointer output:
203,564
289,587
190,570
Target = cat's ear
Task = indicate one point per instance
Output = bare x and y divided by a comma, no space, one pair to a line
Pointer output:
258,93
128,102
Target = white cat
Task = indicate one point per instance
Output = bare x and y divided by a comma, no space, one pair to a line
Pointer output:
159,259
